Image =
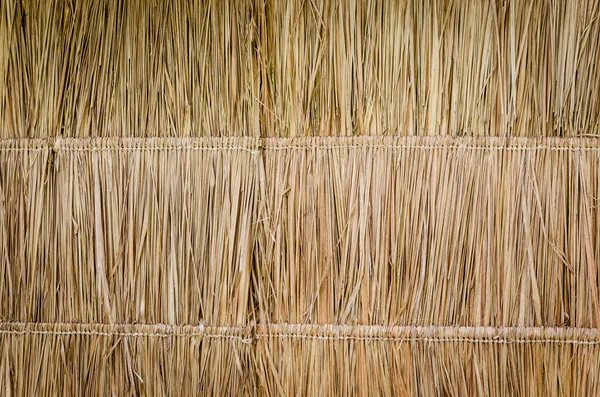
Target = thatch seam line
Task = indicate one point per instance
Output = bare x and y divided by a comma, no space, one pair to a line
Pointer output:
502,335
126,334
255,145
329,332
436,147
430,339
240,333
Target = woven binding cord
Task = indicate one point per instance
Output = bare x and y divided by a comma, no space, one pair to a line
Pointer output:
330,332
255,145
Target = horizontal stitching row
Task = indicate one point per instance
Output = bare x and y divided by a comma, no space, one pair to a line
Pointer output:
247,333
256,150
20,149
255,145
125,334
429,339
161,148
437,147
134,149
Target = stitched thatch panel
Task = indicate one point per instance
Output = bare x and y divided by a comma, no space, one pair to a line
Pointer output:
429,232
101,360
269,197
316,257
128,231
428,362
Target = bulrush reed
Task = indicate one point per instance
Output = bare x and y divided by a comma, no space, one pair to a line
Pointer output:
315,197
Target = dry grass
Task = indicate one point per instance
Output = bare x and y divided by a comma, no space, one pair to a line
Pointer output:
434,232
106,236
125,360
168,244
136,242
299,198
297,68
426,362
430,231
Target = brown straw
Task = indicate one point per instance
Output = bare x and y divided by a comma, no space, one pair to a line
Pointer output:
304,197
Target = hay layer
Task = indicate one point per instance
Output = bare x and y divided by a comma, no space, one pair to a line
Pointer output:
429,231
299,266
295,68
140,232
119,360
130,359
328,363
181,212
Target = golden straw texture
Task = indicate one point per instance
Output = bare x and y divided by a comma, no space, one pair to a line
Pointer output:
103,360
429,231
412,362
336,266
93,234
296,68
304,197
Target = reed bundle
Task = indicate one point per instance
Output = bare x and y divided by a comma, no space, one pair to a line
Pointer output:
299,198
